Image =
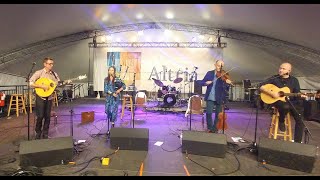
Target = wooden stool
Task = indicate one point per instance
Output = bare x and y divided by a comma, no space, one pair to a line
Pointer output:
274,131
127,102
31,99
19,102
55,98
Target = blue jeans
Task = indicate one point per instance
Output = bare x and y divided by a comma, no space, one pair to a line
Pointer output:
209,109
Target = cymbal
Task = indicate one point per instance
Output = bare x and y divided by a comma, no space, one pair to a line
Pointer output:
178,80
157,82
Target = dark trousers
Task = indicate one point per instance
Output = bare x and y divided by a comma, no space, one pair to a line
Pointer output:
43,111
209,110
284,108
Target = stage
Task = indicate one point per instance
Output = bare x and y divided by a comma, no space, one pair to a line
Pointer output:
164,125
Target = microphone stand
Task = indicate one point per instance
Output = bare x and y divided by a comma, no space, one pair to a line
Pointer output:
133,98
253,147
28,98
306,129
190,94
222,106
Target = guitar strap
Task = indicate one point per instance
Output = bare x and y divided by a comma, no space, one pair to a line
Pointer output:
54,74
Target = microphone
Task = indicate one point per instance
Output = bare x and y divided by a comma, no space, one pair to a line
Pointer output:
34,63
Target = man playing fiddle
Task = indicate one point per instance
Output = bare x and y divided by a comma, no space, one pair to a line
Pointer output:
216,93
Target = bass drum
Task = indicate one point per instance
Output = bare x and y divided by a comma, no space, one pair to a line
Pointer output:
169,99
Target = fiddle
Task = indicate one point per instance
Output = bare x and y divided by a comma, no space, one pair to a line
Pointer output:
224,75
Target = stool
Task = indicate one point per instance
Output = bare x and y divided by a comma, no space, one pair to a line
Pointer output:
274,131
31,99
55,98
127,102
19,101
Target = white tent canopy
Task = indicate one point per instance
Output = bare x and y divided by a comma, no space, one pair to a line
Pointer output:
259,37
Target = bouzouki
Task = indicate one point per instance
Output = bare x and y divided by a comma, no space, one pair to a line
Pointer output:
283,92
52,85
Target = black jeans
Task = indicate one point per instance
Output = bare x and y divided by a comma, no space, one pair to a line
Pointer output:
284,108
43,111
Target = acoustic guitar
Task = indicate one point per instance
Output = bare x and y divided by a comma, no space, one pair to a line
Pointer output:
52,85
283,92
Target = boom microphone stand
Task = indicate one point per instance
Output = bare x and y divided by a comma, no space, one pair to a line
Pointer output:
190,93
306,129
28,98
133,98
253,147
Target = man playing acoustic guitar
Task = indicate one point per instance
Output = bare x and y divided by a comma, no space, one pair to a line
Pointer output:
284,80
44,103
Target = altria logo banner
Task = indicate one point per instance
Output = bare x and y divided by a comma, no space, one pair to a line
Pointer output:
164,74
147,65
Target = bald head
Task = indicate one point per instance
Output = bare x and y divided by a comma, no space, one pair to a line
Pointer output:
285,69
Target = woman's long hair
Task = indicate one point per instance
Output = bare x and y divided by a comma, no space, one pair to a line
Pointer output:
108,77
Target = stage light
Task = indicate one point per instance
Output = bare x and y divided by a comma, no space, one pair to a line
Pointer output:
139,16
140,33
169,15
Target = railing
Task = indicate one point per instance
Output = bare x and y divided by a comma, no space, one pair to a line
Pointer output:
14,89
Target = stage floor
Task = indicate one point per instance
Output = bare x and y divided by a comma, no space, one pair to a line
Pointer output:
164,126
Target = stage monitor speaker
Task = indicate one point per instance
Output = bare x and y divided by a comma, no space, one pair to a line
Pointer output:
287,154
197,87
129,138
46,152
205,144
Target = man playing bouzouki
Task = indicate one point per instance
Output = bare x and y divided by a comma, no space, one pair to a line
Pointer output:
44,104
285,80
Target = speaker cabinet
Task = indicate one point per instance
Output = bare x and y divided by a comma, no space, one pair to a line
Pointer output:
205,144
129,138
197,87
246,83
287,154
46,152
310,108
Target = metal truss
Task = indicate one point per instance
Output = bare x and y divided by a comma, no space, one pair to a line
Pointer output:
159,25
256,40
158,45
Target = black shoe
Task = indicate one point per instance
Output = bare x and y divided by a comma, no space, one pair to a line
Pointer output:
112,124
44,136
38,136
282,127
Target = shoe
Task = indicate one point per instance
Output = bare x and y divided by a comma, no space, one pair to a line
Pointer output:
282,127
112,124
209,131
38,136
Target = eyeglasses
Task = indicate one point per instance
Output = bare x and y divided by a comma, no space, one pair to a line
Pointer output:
50,64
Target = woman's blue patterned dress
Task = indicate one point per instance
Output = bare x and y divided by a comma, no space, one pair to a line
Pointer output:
112,103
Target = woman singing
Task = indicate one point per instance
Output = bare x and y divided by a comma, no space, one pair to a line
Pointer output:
112,87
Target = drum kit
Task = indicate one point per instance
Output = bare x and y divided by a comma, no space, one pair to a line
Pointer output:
170,94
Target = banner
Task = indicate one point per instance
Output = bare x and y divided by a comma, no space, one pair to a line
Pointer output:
145,65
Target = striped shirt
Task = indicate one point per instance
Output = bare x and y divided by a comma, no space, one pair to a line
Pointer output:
44,74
